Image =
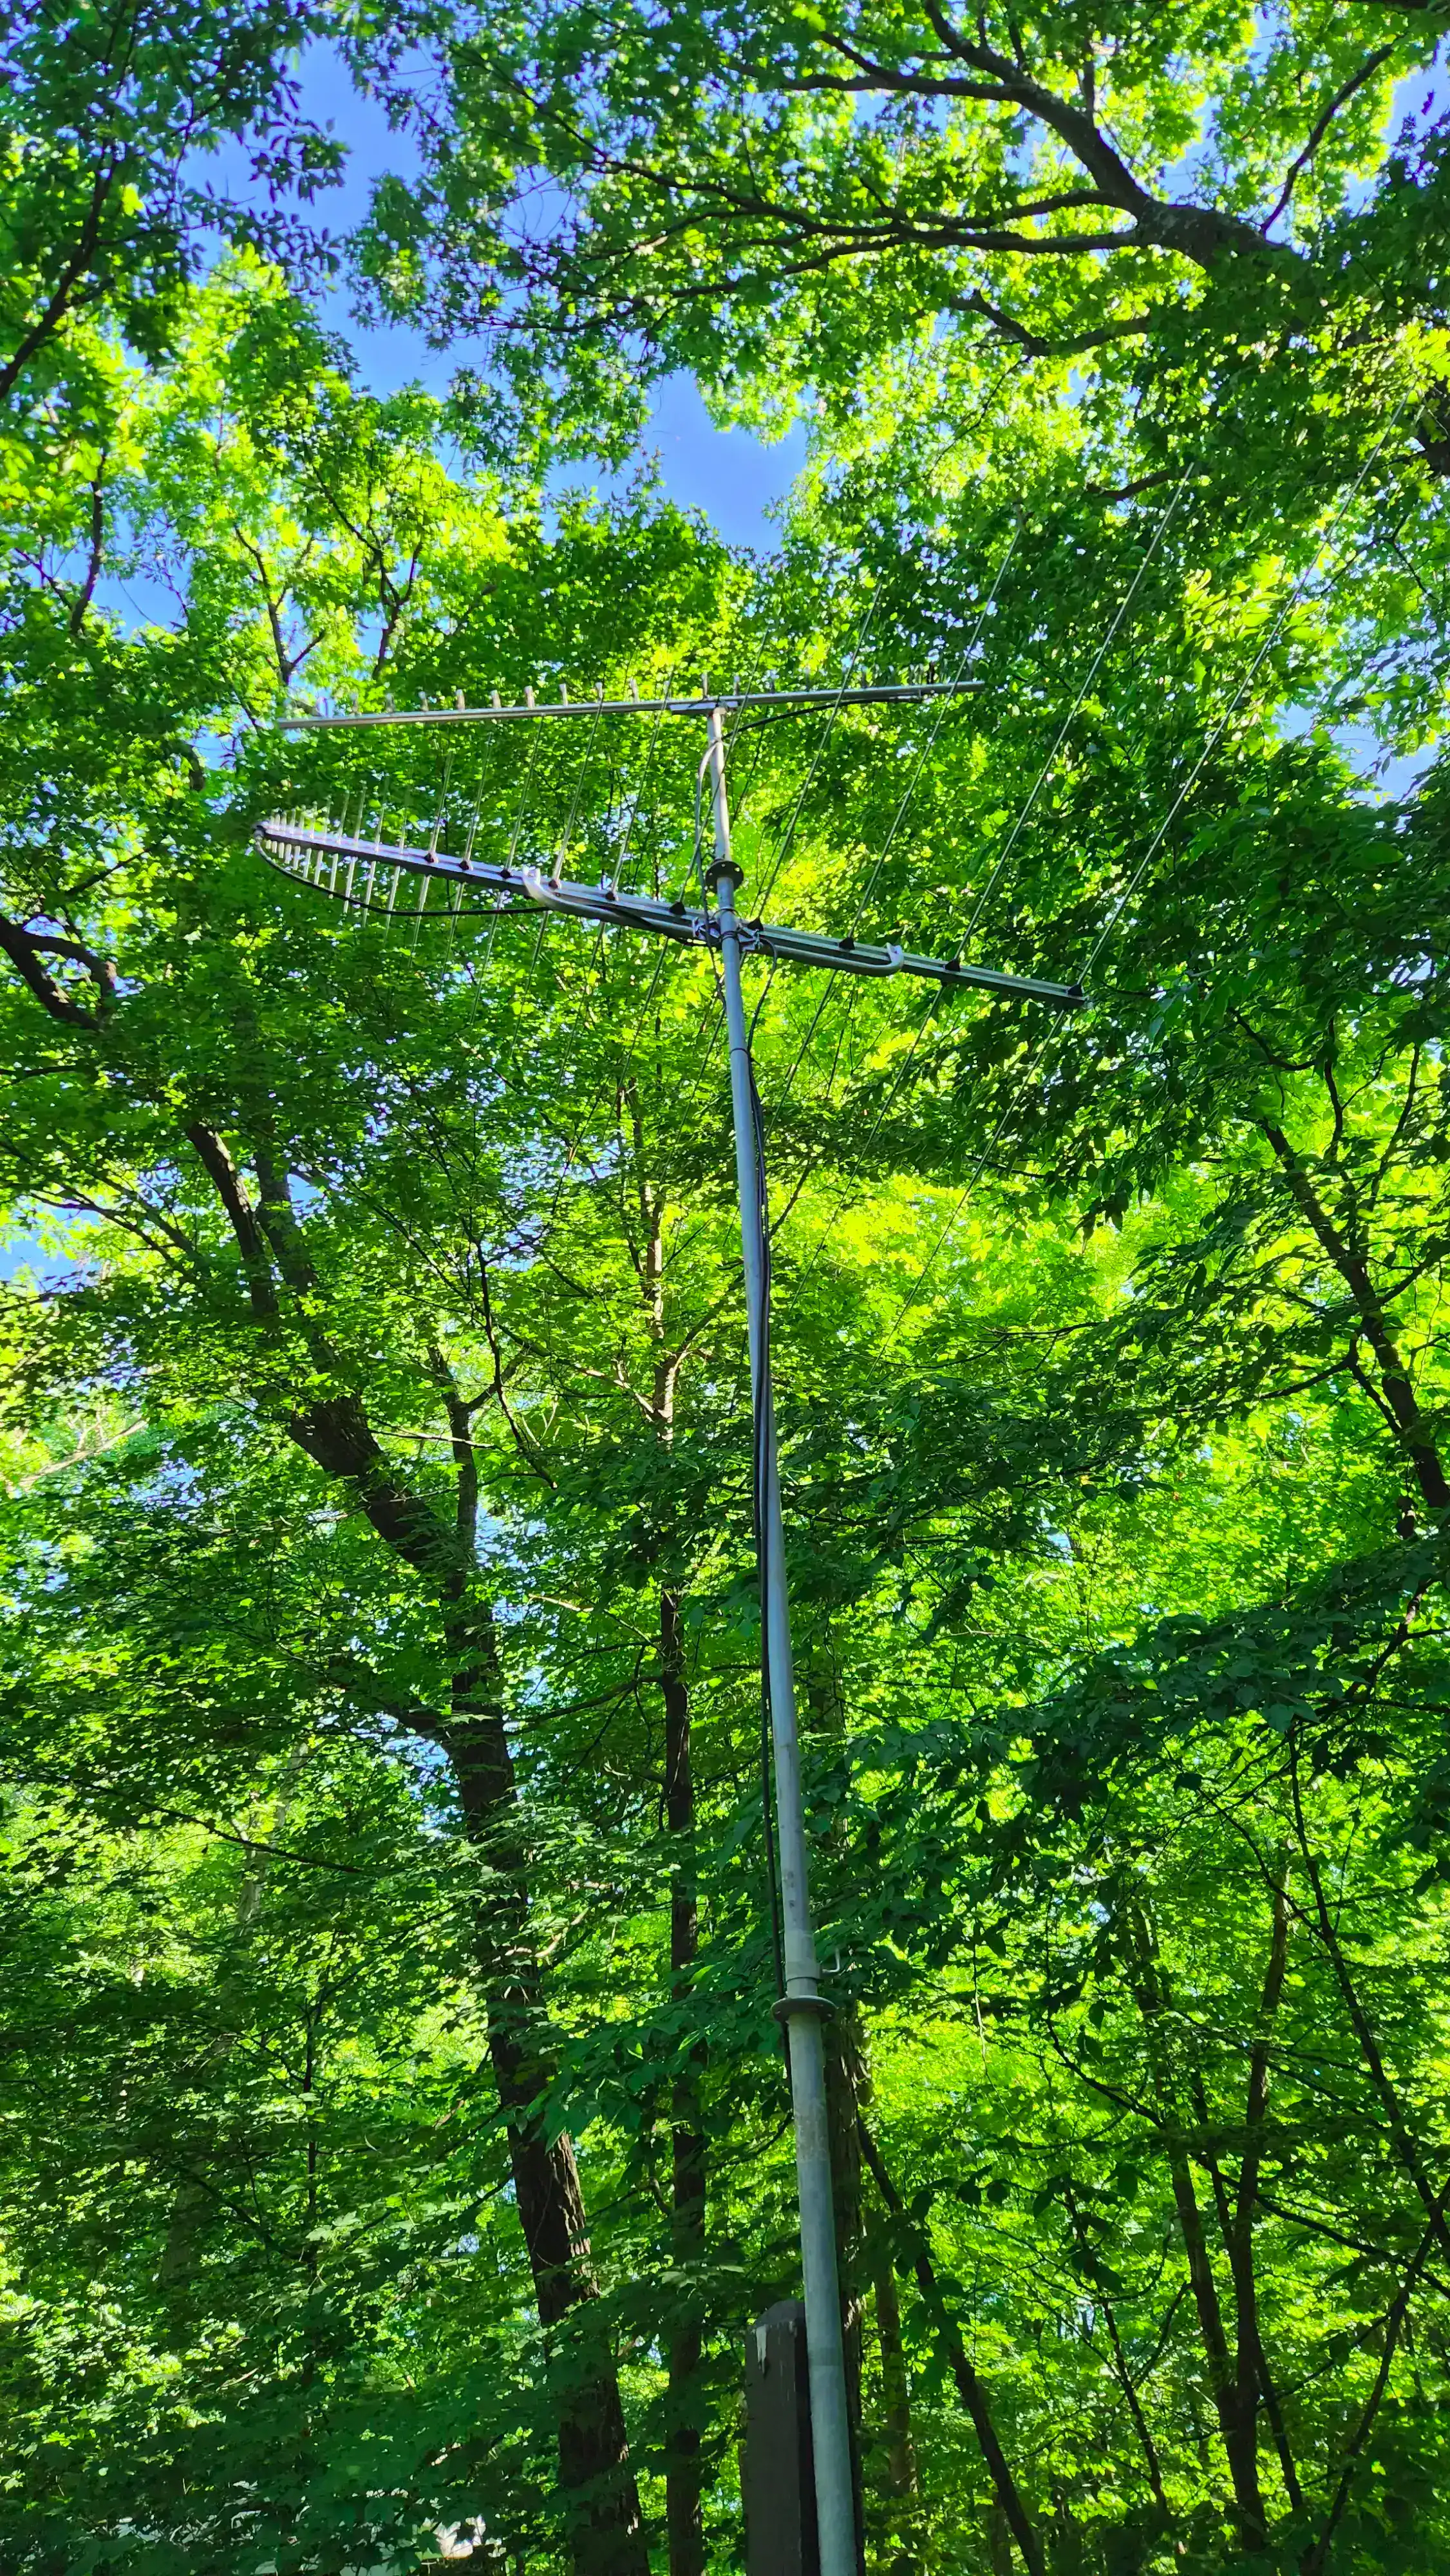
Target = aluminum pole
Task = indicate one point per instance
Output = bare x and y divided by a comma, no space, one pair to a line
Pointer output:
801,2006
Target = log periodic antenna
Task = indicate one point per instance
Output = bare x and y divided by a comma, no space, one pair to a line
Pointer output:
314,855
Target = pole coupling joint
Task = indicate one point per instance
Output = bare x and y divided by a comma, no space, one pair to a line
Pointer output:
820,2006
720,869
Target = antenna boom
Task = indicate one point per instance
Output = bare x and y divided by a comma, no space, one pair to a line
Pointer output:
690,924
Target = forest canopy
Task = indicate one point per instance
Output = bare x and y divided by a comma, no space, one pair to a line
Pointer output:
395,2139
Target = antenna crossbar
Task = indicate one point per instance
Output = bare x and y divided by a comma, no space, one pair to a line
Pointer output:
888,694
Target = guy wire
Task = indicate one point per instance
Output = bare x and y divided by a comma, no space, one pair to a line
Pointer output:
1226,719
1045,771
637,799
708,1003
784,844
547,918
602,1086
923,755
938,712
596,965
582,772
1022,816
1271,637
936,998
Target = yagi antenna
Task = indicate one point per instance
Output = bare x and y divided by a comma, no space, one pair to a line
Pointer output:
318,856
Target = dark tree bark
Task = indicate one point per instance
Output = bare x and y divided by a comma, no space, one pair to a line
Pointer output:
998,2536
1103,2300
286,1304
1350,1259
1253,2361
846,2088
684,2525
593,2450
1237,2419
606,2537
1410,2150
1011,2502
898,2446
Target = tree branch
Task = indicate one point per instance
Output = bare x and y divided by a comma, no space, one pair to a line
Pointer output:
1395,1380
1036,347
1321,126
25,948
220,1170
525,1445
1316,2558
54,313
86,593
969,2387
1433,2202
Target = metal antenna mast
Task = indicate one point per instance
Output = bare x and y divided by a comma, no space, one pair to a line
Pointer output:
316,857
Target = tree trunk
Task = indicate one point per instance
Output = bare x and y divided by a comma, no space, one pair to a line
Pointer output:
684,2527
1092,2273
1237,2421
998,2538
1253,2361
330,1424
970,2389
683,2521
900,2450
606,2537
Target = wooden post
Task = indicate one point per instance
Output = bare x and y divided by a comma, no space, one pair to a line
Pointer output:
779,2475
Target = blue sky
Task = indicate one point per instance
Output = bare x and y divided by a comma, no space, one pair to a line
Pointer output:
729,474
